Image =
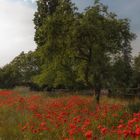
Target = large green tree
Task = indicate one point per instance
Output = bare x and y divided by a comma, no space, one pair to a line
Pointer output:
81,48
98,38
54,52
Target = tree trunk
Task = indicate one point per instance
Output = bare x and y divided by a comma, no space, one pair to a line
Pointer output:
97,94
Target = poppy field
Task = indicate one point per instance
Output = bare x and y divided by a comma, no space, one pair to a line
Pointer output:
36,117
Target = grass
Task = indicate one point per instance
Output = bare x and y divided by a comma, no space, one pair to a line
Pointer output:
38,116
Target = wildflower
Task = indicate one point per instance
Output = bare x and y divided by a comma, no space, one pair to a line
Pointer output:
89,134
120,126
137,131
72,132
103,130
25,127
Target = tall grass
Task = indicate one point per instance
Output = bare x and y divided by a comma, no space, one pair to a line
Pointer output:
43,117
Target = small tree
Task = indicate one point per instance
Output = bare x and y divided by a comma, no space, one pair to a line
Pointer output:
19,71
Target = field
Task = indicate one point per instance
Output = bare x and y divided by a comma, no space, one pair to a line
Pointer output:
40,117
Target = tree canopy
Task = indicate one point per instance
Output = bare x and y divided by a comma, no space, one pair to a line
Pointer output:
91,49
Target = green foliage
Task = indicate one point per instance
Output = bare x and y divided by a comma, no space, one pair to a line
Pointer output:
55,52
137,63
91,49
136,72
19,71
81,48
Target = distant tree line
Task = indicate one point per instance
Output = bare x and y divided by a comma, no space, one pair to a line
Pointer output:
87,50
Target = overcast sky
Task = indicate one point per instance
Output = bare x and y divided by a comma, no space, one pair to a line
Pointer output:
17,29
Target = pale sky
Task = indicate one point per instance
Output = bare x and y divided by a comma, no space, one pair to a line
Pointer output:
17,28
